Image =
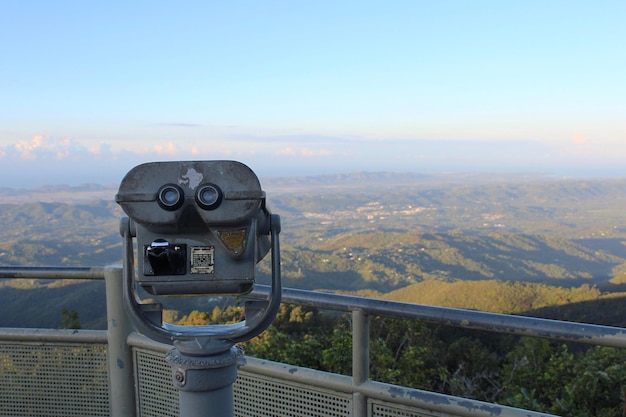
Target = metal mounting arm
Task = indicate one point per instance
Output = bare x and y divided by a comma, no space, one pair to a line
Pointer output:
205,339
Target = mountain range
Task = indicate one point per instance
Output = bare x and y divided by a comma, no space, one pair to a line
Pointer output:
510,244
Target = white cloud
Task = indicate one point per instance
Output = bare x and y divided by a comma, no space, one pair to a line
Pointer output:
286,152
169,148
43,147
580,140
50,160
26,148
309,153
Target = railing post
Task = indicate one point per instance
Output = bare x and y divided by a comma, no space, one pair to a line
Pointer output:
360,358
119,354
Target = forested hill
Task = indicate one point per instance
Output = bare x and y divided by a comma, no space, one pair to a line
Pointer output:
573,209
376,232
385,261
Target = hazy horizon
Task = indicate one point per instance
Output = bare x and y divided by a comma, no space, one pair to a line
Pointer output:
90,90
471,175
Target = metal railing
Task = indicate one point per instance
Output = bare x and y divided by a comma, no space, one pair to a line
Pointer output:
105,365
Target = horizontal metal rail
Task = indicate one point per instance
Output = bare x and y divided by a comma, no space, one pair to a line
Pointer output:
11,334
52,272
359,386
470,319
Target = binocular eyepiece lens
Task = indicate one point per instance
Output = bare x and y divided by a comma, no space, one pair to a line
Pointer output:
170,197
209,196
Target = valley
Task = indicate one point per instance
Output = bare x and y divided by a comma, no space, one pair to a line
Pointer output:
407,237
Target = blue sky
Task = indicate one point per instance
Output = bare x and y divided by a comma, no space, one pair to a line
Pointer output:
90,89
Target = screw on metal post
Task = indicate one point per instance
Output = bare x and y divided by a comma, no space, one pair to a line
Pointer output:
179,378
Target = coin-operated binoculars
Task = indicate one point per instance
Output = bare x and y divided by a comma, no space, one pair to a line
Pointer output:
200,228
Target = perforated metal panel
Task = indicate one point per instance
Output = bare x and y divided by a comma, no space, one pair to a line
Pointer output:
53,380
382,409
254,395
267,397
156,395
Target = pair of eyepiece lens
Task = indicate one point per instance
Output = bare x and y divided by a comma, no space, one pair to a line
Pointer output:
209,196
171,197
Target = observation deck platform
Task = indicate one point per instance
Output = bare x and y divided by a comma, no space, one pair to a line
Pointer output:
117,372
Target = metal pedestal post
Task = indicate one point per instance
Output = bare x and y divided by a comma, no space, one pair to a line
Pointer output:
205,383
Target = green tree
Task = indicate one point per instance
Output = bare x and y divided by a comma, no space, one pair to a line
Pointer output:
589,382
474,370
298,335
337,356
70,319
598,386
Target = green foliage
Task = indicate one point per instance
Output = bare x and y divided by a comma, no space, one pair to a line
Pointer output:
303,336
399,345
585,383
230,314
70,319
522,372
38,233
387,261
39,307
337,354
494,296
472,369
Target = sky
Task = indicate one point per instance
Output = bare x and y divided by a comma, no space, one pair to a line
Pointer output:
90,89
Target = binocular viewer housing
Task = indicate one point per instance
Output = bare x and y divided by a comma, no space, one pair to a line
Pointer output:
200,226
